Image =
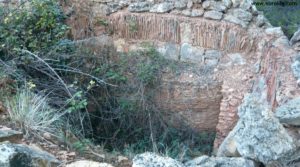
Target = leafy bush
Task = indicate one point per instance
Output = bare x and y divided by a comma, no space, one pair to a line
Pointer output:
286,17
35,25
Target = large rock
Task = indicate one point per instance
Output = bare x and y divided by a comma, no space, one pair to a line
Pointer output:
17,155
206,161
241,14
214,5
162,7
180,4
189,53
214,15
140,7
153,160
233,19
296,37
238,16
258,134
197,12
296,68
289,113
86,163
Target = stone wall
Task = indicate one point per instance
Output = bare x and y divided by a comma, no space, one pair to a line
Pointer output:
229,37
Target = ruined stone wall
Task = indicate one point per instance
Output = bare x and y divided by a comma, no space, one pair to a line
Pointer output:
229,38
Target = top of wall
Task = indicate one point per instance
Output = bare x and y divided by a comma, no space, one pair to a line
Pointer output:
240,12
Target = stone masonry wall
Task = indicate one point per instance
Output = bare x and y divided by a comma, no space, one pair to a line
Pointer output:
229,37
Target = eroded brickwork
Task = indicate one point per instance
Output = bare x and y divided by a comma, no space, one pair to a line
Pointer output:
231,38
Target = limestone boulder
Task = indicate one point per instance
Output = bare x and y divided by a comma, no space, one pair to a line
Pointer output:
153,160
214,5
162,7
289,113
87,163
140,7
180,4
296,67
213,15
258,134
205,161
17,155
189,53
296,37
238,16
197,12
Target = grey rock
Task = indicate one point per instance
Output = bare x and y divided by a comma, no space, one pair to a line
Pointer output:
197,12
211,62
258,134
241,14
254,10
153,160
170,51
237,59
88,163
114,7
190,4
233,19
296,37
124,3
246,4
281,41
213,54
197,1
260,20
140,7
236,3
238,16
16,155
189,53
214,15
180,4
296,66
186,12
289,113
10,135
176,12
205,161
162,7
296,46
227,3
276,31
214,5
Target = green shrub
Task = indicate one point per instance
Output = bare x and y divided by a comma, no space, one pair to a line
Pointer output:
36,26
286,17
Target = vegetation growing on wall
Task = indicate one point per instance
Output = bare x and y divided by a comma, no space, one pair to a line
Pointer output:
100,97
285,15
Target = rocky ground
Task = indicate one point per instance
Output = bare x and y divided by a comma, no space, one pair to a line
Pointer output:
16,150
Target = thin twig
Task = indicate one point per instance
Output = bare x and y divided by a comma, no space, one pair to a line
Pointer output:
55,73
100,81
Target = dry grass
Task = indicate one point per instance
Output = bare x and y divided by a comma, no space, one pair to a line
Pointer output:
32,113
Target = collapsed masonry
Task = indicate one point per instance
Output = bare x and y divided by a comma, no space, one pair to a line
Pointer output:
229,39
